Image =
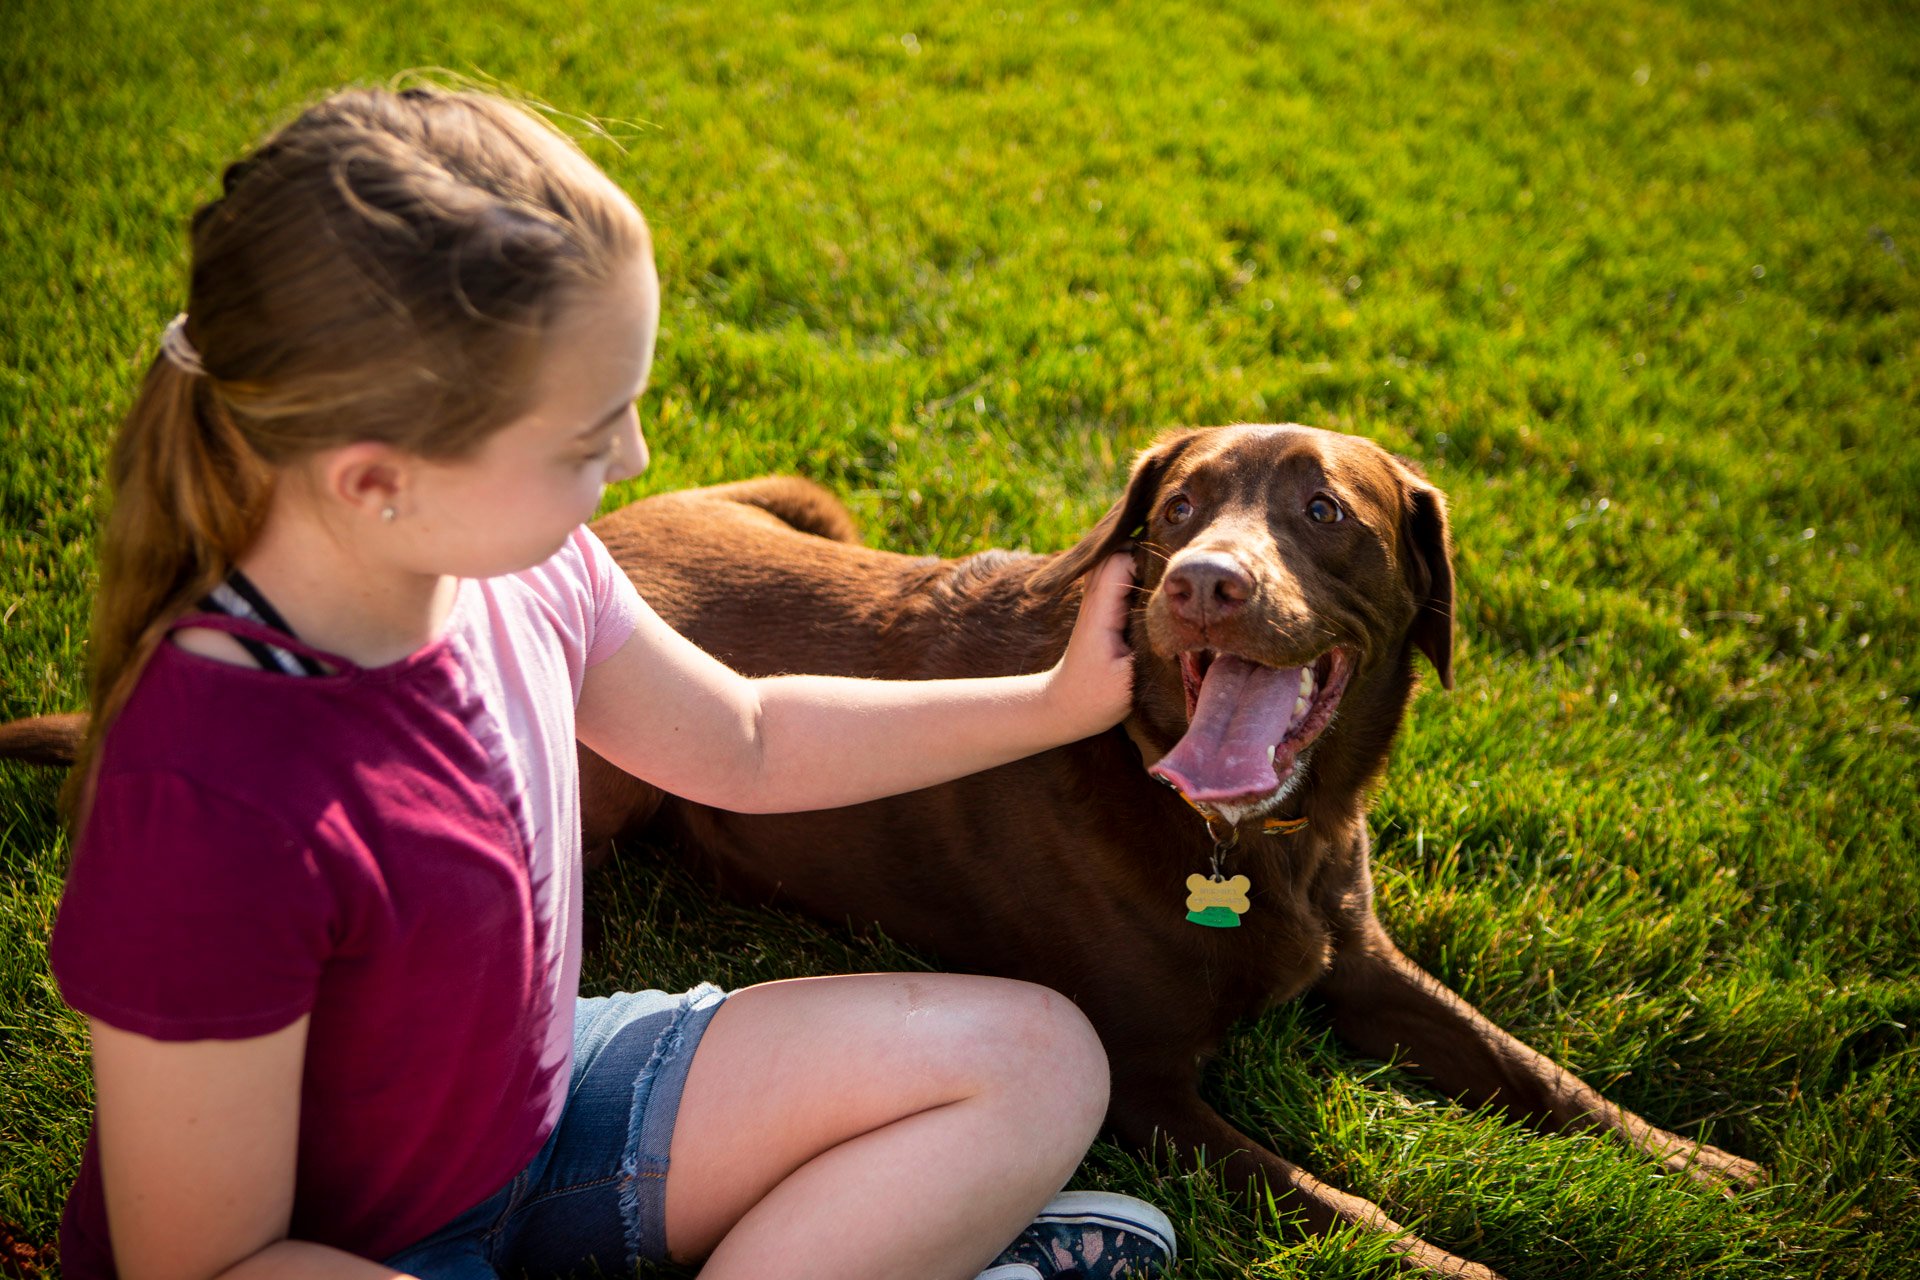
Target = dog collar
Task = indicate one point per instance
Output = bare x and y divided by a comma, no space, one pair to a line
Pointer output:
1214,900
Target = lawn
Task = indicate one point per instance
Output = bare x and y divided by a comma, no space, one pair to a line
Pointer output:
1638,284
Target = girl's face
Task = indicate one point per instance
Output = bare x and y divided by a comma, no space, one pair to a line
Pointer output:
512,505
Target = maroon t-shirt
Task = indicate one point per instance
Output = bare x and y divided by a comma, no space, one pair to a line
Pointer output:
394,851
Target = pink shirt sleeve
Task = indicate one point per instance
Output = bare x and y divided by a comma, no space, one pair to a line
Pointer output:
588,599
188,915
616,602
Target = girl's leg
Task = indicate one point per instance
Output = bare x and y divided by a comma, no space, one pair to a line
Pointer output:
883,1125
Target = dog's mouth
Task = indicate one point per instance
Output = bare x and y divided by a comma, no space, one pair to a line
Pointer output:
1247,724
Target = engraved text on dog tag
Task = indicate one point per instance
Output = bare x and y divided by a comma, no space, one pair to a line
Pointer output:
1216,903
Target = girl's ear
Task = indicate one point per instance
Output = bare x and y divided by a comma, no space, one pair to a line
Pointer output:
1125,520
1426,550
365,476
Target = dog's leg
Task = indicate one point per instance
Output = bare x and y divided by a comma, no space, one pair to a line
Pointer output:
1382,1004
1147,1112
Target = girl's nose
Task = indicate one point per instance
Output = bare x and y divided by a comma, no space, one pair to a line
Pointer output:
629,450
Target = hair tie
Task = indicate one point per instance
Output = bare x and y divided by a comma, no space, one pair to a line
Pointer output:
176,347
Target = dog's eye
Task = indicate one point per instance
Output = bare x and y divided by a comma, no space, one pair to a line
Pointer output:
1177,510
1324,510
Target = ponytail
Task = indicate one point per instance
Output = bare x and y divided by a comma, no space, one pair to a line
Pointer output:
189,496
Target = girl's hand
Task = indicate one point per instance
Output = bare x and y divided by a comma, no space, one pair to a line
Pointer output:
1091,688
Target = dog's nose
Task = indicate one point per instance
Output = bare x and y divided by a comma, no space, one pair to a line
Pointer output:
1207,585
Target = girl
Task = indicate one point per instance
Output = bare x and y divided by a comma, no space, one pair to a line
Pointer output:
324,909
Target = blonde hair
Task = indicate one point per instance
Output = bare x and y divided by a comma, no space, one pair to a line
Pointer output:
383,268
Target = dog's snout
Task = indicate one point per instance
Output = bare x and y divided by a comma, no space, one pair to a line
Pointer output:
1207,585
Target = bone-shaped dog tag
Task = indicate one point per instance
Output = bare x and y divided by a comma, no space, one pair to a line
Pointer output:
1218,904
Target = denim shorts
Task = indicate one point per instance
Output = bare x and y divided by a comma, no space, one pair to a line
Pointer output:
594,1200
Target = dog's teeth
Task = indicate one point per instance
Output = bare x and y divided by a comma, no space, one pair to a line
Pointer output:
1299,706
1271,749
1306,685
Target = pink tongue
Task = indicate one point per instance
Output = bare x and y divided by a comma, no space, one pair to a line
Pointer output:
1242,710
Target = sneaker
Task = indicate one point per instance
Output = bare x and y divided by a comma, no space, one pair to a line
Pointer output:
1094,1235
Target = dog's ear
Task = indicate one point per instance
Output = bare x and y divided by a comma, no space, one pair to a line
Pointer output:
1124,520
1426,549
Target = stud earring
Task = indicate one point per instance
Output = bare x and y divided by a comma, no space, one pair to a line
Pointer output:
387,514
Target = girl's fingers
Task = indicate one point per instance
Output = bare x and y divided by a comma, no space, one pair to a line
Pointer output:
1110,593
1093,683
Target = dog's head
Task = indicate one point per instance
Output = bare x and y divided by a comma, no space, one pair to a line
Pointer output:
1285,573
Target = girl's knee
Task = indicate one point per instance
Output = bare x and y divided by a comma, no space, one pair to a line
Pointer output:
1052,1055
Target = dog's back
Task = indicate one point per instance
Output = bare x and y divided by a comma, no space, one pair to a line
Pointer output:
770,577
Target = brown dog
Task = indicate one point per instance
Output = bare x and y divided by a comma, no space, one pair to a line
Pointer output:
1287,578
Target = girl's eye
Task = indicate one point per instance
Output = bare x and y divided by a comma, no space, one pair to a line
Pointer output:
1177,510
1322,509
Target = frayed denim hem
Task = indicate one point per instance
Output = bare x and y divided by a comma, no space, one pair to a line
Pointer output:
643,1167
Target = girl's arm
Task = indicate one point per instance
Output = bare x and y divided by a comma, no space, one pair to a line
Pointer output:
664,711
197,1146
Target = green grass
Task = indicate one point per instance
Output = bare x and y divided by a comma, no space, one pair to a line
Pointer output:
1640,287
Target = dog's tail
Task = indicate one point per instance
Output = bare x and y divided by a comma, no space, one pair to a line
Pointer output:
49,740
806,506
